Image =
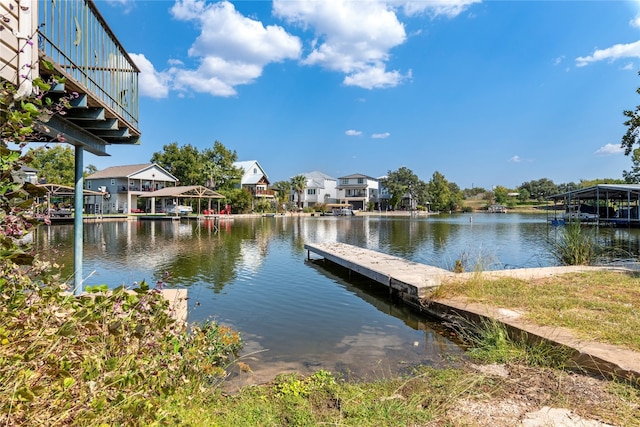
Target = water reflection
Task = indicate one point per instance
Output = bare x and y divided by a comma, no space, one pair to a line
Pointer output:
251,274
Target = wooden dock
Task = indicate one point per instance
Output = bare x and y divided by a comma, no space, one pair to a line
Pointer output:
409,279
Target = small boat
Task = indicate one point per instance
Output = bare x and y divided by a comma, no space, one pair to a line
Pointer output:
497,209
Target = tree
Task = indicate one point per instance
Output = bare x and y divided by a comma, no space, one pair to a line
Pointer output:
282,190
630,138
89,170
455,196
500,194
585,183
55,164
633,176
185,163
402,182
439,192
218,168
540,189
298,184
523,195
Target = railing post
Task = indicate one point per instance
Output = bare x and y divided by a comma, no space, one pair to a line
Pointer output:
77,222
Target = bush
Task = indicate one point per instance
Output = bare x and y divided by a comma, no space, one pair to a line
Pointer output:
104,357
576,245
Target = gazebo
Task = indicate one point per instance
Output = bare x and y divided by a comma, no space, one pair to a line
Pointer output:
59,190
185,192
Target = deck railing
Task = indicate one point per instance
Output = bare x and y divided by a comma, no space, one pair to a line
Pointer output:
74,36
264,193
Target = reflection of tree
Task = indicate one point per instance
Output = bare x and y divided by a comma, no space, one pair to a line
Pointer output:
405,238
212,259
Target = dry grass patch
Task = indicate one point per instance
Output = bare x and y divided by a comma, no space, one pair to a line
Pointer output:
601,306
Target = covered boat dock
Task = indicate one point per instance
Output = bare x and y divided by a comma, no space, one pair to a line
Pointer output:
602,204
170,196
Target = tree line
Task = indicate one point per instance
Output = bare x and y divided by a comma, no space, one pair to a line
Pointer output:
214,168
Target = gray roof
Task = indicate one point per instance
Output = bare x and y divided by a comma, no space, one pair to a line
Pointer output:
195,191
610,191
316,179
358,175
119,171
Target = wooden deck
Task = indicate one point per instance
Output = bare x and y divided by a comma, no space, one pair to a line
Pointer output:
409,279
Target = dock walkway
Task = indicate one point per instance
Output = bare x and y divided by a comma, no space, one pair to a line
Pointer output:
414,281
410,279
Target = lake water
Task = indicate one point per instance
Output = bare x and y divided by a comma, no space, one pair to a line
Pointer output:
252,274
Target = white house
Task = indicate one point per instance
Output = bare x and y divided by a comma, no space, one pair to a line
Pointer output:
254,179
320,189
122,185
357,189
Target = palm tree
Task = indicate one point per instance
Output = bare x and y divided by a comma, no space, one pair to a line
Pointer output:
298,184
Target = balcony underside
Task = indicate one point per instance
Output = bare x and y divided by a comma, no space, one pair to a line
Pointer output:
89,122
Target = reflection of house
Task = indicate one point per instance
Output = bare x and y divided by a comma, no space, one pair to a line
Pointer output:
358,190
123,185
320,189
254,179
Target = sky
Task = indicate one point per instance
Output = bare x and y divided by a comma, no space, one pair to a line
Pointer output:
485,92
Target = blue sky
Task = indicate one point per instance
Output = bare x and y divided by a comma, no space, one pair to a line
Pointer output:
485,92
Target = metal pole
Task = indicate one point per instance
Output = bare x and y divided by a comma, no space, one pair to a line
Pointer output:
77,223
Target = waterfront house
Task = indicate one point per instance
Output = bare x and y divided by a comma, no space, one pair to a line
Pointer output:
358,190
124,186
254,179
101,80
71,39
320,189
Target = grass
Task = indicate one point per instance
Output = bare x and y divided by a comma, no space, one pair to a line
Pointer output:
428,397
576,245
600,306
292,400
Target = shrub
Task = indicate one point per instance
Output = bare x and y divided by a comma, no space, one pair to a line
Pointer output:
576,245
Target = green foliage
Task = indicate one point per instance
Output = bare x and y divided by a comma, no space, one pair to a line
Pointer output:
219,171
116,355
474,191
500,194
213,167
444,195
630,138
576,245
633,176
540,189
185,163
240,199
55,164
263,206
490,342
103,358
298,184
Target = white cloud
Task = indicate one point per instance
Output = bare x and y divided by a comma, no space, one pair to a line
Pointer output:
232,49
125,6
629,66
352,132
151,83
447,8
375,77
351,37
381,135
515,159
609,149
629,50
635,22
558,60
